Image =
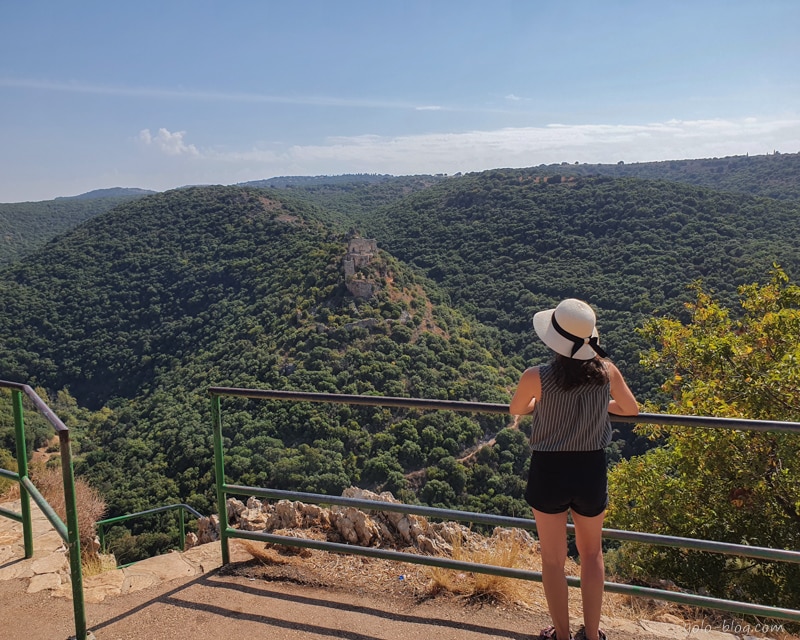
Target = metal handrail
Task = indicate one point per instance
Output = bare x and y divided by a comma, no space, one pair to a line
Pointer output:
227,532
69,532
487,407
181,507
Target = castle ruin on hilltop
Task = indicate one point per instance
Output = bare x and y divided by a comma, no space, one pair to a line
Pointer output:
360,253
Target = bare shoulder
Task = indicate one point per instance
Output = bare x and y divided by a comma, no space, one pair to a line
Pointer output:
612,369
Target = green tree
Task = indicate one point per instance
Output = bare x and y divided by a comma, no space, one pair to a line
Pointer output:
733,486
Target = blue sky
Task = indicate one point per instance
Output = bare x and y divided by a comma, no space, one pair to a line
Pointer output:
164,94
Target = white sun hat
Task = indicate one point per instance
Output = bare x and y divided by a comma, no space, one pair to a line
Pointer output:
570,330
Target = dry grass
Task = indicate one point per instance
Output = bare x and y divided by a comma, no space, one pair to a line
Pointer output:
97,564
512,550
9,490
91,506
266,555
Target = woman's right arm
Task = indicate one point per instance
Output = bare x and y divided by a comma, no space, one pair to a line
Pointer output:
528,390
623,402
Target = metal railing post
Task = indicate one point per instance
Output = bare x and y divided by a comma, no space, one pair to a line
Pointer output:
73,534
22,471
182,528
219,472
101,535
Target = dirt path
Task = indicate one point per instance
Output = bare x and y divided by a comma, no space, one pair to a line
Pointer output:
217,605
225,606
253,602
266,594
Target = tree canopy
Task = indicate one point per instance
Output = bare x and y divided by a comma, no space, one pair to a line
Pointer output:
731,486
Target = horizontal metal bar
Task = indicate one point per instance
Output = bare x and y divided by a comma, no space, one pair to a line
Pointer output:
710,546
47,510
11,475
679,597
522,574
385,554
376,401
147,512
708,422
762,553
483,407
11,514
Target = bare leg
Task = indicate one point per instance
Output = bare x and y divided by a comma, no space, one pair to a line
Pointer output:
588,537
552,532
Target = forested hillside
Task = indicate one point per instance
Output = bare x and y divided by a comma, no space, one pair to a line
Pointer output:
26,226
347,198
505,244
113,192
774,176
141,310
126,320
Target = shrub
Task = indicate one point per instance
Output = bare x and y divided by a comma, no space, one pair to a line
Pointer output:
91,506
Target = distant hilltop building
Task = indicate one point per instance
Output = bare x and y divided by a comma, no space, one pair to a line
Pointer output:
360,253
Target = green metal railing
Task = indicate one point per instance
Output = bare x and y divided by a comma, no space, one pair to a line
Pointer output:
227,532
69,532
182,509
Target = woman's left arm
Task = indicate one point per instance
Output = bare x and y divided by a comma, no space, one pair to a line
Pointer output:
623,402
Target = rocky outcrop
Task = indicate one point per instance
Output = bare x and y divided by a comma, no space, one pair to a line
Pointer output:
373,528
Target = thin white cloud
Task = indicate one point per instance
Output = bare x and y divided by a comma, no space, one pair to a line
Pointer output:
206,96
523,147
171,144
472,150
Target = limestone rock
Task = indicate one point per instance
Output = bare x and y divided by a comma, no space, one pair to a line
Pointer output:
235,508
208,529
40,582
191,541
355,526
50,564
367,527
252,518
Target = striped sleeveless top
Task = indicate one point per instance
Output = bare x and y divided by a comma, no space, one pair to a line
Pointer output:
572,420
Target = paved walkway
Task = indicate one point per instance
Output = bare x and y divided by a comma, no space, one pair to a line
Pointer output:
48,569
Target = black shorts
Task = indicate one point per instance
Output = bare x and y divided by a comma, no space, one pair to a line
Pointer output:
561,480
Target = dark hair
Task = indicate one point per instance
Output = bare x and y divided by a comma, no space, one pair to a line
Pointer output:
570,372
